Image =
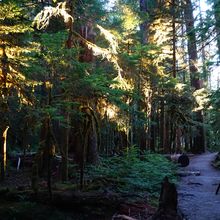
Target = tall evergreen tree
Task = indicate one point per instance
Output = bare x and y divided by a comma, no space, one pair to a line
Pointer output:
196,82
14,36
216,9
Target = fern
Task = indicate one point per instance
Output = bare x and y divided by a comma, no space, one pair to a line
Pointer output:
130,173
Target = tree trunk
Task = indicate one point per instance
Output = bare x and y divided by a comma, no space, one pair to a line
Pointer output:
89,150
145,24
66,138
162,125
153,128
178,140
93,144
205,71
167,134
216,9
199,139
174,36
144,28
5,70
191,43
65,149
3,145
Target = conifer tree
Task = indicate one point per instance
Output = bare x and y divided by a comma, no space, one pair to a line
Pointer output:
14,35
196,82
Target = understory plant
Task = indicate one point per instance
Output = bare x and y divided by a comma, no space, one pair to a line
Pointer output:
133,172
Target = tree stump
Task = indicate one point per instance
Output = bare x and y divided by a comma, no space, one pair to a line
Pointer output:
167,203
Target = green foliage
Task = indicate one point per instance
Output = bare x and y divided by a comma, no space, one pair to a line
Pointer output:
179,105
15,39
133,172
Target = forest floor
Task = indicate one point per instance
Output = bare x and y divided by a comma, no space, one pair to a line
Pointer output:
17,201
197,198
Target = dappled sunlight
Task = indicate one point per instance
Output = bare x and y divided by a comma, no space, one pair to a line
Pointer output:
89,92
109,53
121,83
202,98
180,87
131,21
42,19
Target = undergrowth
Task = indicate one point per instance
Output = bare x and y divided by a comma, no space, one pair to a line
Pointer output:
132,173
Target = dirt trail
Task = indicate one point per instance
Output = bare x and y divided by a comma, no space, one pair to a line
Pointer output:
197,199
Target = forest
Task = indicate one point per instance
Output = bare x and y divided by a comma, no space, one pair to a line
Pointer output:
97,98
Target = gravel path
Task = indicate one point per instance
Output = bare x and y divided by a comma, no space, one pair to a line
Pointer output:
197,199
